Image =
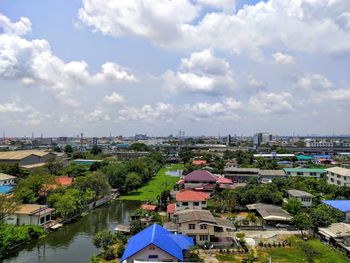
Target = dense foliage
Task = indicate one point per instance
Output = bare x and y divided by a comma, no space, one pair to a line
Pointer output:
12,236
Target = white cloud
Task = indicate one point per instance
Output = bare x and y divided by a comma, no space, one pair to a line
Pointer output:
22,27
11,107
339,95
314,82
282,58
114,98
271,103
225,5
202,72
33,63
147,113
303,25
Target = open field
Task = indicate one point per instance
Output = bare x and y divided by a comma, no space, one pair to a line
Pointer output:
155,186
300,251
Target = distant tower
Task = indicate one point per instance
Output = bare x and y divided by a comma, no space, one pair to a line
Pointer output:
81,139
32,135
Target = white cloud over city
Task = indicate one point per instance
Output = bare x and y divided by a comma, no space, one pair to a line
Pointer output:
211,67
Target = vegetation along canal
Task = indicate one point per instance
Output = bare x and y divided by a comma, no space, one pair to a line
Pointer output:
73,243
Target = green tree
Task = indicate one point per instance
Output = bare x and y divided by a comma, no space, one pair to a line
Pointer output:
75,170
133,181
186,155
67,204
8,205
139,146
103,239
68,149
116,174
95,181
302,221
96,150
54,166
293,206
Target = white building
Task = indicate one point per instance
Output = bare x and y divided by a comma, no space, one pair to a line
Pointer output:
338,176
304,197
190,199
30,214
6,179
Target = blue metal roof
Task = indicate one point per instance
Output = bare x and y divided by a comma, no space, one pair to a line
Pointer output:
160,237
341,205
5,189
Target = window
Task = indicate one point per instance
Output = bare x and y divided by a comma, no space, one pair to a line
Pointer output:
152,256
332,180
42,220
204,202
305,199
152,248
48,217
196,203
204,227
191,226
338,182
203,238
313,174
300,173
185,203
338,176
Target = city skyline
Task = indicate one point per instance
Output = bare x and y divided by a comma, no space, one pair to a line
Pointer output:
206,67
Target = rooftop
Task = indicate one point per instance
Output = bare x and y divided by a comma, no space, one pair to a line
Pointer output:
64,180
341,205
304,170
339,170
298,193
270,212
223,180
199,162
19,155
191,195
272,173
195,215
32,209
5,189
171,208
4,177
160,237
200,176
336,230
148,207
236,169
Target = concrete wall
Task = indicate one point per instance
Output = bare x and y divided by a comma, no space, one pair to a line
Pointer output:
197,232
20,219
7,182
338,179
143,255
305,201
191,205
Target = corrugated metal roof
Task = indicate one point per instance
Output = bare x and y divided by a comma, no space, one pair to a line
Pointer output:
341,205
304,170
160,237
191,195
298,193
200,176
19,155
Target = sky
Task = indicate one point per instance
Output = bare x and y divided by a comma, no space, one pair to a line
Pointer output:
206,67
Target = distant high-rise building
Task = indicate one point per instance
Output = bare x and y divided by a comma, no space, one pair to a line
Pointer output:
261,137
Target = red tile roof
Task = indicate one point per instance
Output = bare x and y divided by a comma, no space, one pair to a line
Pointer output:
148,207
223,180
191,195
171,208
199,162
200,176
64,180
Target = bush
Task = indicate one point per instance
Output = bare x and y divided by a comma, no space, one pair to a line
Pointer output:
109,253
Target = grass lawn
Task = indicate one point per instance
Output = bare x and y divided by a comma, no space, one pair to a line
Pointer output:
294,254
155,186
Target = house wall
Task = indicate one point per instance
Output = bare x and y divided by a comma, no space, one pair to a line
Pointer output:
143,255
31,159
197,232
305,201
20,219
190,205
7,182
304,174
337,179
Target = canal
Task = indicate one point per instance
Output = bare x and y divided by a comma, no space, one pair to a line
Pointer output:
73,242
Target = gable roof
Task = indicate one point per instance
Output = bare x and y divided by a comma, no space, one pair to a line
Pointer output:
64,180
299,193
195,215
270,212
200,176
199,162
341,205
160,237
4,177
19,155
191,195
223,180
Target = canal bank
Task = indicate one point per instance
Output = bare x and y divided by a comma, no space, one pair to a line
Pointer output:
73,242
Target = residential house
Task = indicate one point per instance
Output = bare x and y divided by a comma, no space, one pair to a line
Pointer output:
6,179
231,163
204,227
271,214
190,199
266,176
304,172
201,180
338,176
240,175
199,162
337,235
341,205
304,197
155,243
30,214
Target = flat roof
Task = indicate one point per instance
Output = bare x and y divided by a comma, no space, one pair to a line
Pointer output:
304,170
272,173
299,193
339,170
236,169
336,230
341,205
31,209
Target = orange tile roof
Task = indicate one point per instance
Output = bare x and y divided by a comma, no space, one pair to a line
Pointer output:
171,208
148,207
191,195
223,180
64,180
199,162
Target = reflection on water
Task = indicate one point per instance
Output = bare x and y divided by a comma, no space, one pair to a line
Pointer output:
73,242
